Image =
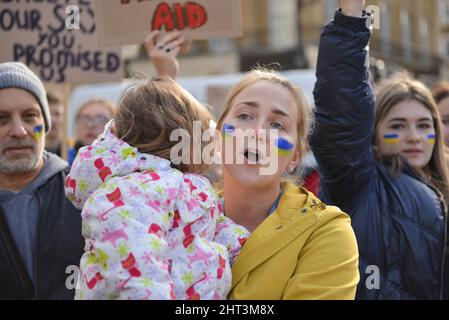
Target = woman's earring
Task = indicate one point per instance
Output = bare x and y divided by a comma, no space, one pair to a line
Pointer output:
291,169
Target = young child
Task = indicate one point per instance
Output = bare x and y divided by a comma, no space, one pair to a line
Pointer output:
153,230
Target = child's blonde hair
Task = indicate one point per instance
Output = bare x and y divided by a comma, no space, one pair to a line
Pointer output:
148,112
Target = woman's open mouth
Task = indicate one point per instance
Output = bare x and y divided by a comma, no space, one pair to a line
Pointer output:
252,156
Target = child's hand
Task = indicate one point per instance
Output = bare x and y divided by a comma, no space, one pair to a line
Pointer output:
352,8
163,50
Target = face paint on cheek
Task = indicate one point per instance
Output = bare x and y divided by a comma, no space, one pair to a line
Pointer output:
391,138
38,132
228,130
431,138
283,147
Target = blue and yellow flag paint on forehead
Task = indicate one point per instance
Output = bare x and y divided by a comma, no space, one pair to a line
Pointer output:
38,131
391,138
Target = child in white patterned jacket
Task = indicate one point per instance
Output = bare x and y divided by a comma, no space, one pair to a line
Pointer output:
153,230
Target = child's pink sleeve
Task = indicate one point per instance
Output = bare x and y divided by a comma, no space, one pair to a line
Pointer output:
126,254
230,235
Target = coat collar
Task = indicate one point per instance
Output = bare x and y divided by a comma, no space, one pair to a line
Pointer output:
284,225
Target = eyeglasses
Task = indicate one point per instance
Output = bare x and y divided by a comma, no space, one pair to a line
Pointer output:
97,120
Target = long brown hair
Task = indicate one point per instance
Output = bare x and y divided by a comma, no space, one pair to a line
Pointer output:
149,111
402,87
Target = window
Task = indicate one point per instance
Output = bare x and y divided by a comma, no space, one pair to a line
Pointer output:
406,34
385,28
444,11
282,24
425,36
445,46
219,46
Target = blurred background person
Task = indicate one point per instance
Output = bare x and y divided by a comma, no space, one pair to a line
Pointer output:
90,120
54,137
440,93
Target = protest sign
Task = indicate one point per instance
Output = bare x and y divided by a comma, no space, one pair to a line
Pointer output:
57,40
121,22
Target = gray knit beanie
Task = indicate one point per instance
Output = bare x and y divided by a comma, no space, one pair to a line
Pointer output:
18,75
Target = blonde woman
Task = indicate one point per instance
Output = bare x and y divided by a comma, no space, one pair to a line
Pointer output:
383,163
299,247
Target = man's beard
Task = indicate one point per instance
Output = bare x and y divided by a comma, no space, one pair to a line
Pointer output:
14,165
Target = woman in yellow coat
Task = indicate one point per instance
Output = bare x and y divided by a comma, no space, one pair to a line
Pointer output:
303,250
299,248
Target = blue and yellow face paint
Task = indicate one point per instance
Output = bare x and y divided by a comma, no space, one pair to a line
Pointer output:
228,130
38,131
283,147
392,138
431,138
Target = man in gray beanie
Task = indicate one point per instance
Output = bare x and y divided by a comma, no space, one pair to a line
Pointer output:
40,230
18,75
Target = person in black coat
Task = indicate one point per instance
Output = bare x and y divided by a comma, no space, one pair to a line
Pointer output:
383,163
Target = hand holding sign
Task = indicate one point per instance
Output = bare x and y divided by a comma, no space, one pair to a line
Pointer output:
163,50
121,22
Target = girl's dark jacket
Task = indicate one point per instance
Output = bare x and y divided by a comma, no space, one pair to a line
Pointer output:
399,221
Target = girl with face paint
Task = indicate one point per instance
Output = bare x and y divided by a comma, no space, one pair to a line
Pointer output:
382,161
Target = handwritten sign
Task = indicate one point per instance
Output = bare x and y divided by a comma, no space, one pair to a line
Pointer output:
121,22
57,40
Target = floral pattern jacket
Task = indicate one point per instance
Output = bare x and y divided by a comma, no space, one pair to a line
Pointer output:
151,231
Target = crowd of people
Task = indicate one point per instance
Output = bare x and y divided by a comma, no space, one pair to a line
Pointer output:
139,225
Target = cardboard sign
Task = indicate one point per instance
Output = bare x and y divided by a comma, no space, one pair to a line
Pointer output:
38,33
121,22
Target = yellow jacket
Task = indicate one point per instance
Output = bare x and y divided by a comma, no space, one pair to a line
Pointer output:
303,250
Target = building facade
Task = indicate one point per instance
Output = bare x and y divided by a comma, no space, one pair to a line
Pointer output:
409,34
